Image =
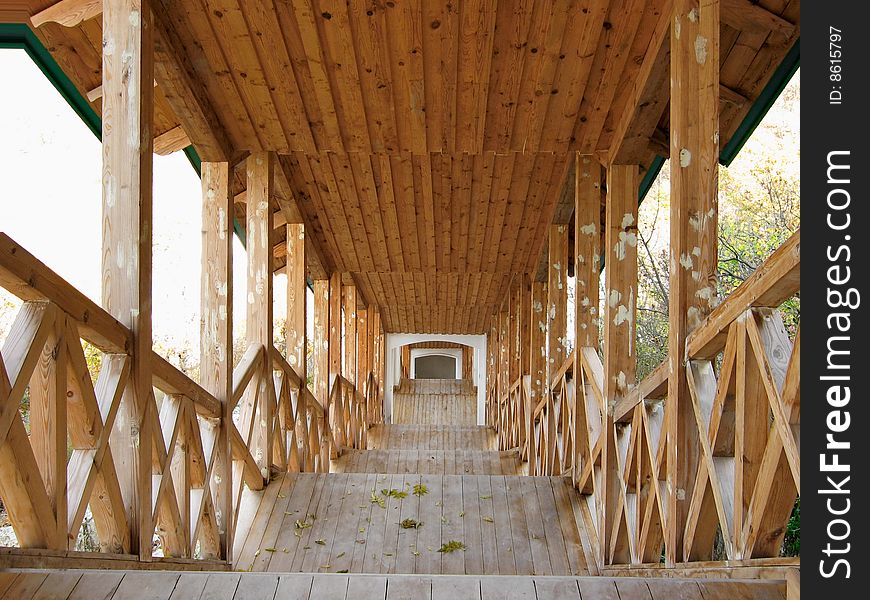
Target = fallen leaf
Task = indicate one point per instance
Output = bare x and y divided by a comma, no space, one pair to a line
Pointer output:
451,546
487,519
320,542
410,524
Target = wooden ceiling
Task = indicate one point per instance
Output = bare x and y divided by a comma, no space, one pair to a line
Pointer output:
426,144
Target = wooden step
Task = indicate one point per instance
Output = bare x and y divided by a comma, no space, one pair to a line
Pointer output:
436,386
167,585
438,462
329,523
431,437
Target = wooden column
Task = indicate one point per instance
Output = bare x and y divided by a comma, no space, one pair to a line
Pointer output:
515,300
363,351
348,300
538,345
127,116
258,322
504,346
587,249
297,300
587,266
557,299
216,334
334,348
693,222
620,361
321,340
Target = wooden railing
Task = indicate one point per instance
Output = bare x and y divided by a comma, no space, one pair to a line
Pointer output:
743,376
51,474
347,416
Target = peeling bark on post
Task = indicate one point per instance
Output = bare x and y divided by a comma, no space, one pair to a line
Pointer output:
620,360
127,117
557,300
321,340
694,218
297,300
216,333
258,323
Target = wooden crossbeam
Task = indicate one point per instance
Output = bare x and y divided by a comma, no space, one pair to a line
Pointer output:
68,13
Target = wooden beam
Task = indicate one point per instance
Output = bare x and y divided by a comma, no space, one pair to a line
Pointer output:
216,332
750,17
68,13
620,360
693,223
297,300
127,117
171,141
648,96
183,91
258,322
557,299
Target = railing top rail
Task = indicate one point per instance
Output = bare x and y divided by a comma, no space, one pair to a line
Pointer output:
566,367
280,364
776,280
173,381
30,279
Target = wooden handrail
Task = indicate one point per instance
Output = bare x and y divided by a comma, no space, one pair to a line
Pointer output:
173,381
280,364
776,280
28,278
566,366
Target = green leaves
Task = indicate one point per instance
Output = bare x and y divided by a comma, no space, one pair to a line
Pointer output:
451,546
410,524
420,489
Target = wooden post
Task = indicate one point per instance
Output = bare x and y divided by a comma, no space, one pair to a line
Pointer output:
587,266
557,299
504,349
127,116
349,299
258,323
514,299
321,340
693,222
537,362
362,343
587,247
620,361
297,300
334,348
216,333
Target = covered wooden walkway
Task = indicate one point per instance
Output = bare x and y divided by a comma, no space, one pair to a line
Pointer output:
423,168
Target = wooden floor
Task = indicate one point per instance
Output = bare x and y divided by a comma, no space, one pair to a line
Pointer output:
330,523
439,462
435,402
157,585
431,437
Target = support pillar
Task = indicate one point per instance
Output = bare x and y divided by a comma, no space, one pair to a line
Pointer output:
127,117
334,344
296,332
620,360
587,266
321,341
258,322
216,336
557,300
693,222
349,300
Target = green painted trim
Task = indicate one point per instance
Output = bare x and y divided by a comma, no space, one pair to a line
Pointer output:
19,36
652,174
780,78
